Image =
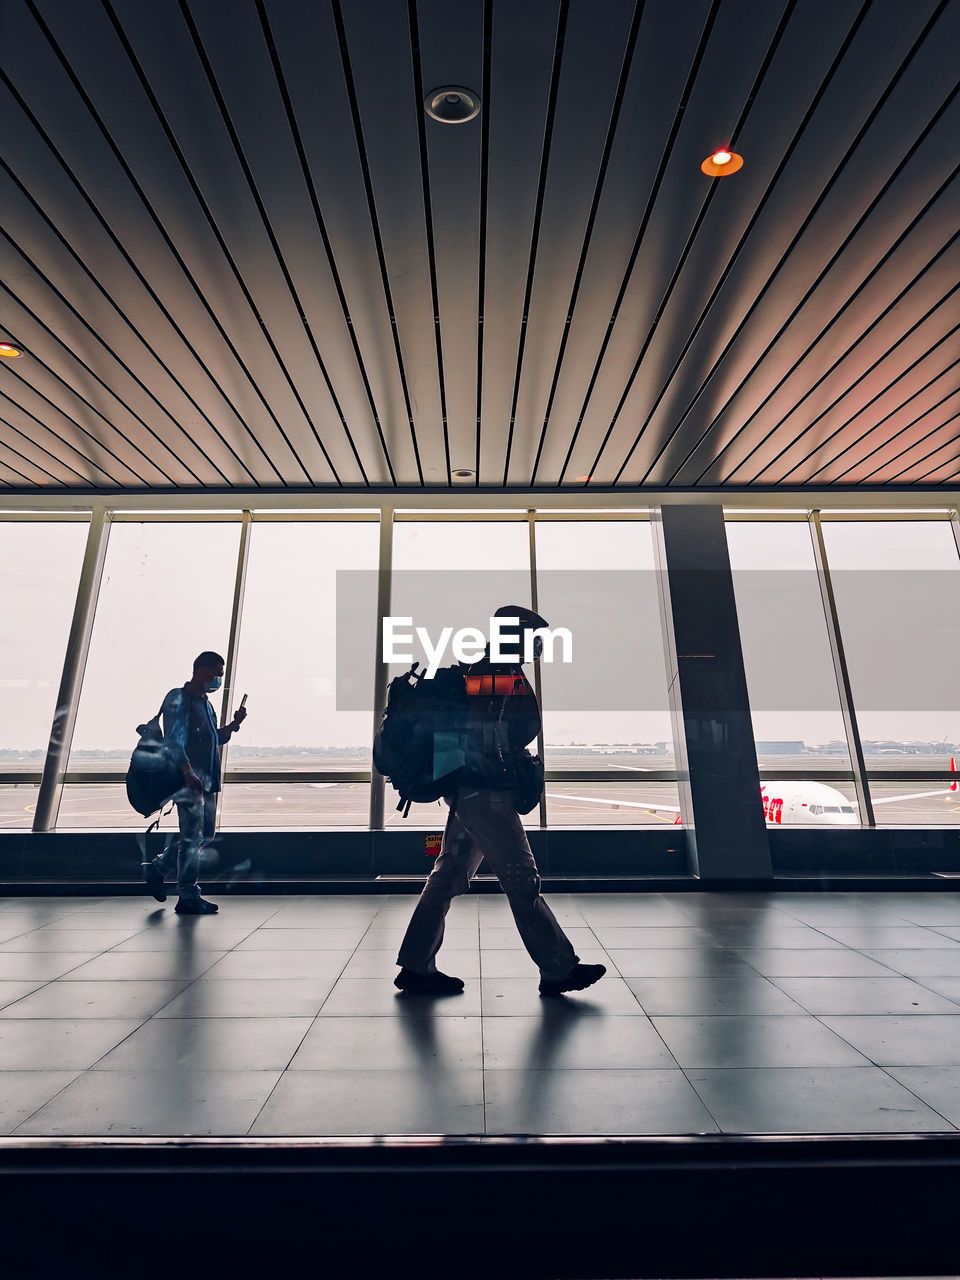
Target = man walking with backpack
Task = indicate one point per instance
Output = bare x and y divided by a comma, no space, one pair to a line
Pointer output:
484,822
192,737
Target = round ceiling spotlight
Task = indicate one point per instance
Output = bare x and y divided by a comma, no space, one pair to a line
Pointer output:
721,164
9,352
463,473
452,104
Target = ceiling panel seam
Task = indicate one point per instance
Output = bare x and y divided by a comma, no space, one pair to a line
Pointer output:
771,186
134,329
378,239
852,444
647,212
949,462
678,269
482,230
29,461
862,336
324,236
241,158
428,223
60,462
915,444
74,393
879,395
157,221
773,429
123,365
64,444
626,65
142,280
861,133
537,218
98,443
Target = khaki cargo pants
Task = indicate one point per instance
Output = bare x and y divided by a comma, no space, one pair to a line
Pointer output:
485,824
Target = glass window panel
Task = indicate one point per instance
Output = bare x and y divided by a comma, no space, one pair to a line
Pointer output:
166,595
791,683
286,659
456,573
809,804
39,574
897,586
18,803
103,806
608,803
432,816
295,804
598,578
915,804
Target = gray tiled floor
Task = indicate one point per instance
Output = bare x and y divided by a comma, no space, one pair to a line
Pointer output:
777,1012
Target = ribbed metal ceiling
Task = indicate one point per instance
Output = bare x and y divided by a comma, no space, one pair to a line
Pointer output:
239,254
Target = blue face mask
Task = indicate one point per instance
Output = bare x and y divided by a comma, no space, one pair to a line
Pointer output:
211,686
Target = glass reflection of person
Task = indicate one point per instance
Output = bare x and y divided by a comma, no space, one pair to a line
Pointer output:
191,734
484,822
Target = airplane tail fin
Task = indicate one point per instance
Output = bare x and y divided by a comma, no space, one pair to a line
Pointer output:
953,770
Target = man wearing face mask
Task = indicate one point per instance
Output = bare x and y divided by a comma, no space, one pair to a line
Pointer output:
191,734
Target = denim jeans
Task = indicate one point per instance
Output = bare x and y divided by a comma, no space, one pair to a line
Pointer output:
197,815
485,824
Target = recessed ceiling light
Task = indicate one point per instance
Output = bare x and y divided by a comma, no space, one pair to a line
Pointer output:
584,478
464,473
452,104
721,163
9,351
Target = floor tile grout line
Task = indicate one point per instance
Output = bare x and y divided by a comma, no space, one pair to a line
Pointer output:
26,1120
916,1095
313,1023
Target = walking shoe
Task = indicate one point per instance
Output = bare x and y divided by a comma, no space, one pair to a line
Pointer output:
153,877
196,907
581,976
428,984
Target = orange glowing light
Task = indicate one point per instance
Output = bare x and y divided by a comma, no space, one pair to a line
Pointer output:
9,350
721,163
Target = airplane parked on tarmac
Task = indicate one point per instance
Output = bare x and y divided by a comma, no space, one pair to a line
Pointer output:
786,803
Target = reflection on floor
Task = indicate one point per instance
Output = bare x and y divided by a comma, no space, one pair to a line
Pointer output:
775,1012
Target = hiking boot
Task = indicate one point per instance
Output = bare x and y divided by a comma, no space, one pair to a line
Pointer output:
153,878
196,907
581,976
428,984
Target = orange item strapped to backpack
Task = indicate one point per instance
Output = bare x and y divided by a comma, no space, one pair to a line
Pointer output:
499,686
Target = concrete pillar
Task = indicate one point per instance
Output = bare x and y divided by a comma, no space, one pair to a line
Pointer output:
720,802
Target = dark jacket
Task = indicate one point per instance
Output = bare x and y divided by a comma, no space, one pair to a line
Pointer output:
191,733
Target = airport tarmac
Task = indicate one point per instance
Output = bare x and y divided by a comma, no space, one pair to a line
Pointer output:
597,803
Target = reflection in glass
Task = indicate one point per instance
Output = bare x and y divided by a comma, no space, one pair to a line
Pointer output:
915,804
39,574
791,682
287,651
599,579
166,596
610,803
295,804
18,804
897,587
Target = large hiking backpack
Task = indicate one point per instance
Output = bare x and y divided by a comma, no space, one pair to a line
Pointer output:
152,777
420,746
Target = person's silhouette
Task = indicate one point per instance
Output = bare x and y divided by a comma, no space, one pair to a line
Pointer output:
484,822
